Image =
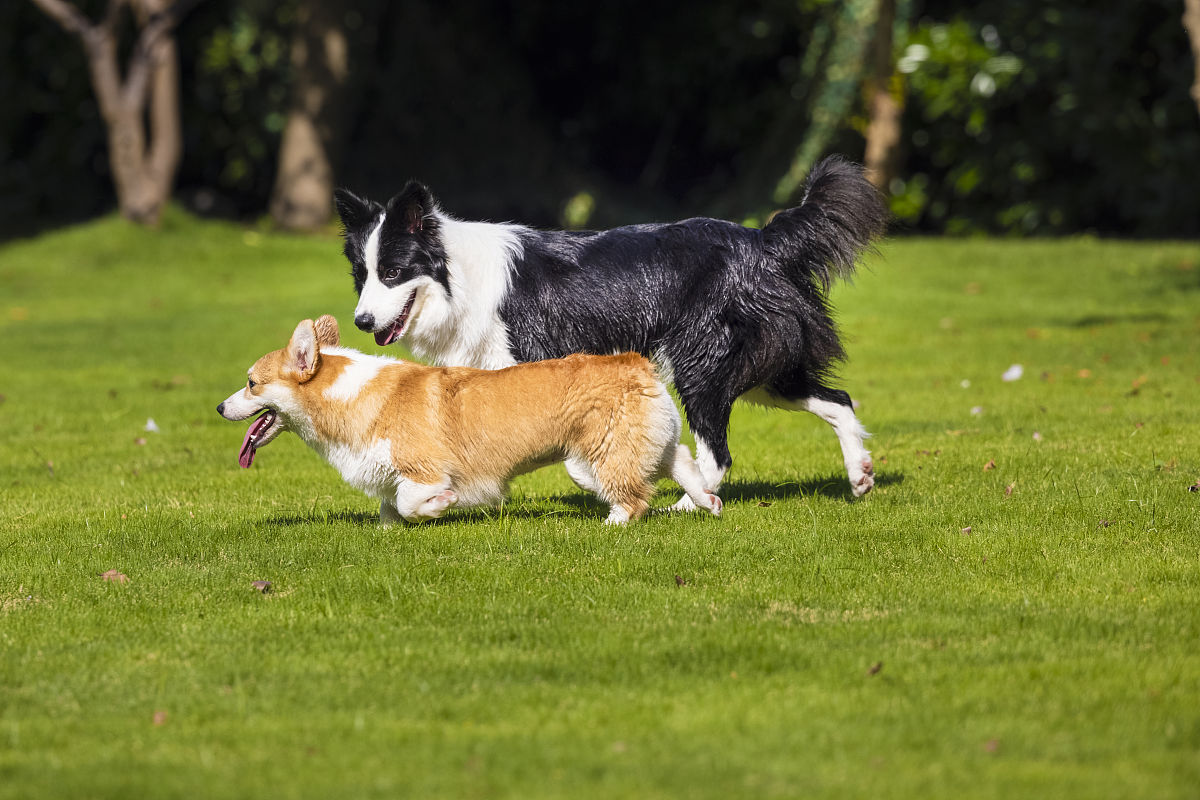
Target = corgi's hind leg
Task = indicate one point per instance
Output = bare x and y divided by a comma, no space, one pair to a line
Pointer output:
627,494
628,508
686,473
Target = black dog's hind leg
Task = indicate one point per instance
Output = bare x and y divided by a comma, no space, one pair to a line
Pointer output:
799,392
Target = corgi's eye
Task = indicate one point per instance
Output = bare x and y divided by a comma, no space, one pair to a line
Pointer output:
250,384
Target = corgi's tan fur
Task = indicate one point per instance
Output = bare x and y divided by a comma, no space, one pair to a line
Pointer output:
421,439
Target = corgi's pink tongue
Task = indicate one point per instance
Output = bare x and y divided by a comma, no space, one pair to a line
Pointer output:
246,454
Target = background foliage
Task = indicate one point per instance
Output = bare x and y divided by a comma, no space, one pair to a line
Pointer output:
1020,116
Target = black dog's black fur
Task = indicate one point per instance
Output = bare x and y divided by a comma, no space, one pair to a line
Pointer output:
730,308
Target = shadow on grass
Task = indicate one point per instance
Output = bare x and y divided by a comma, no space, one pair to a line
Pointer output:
323,517
1099,320
835,487
586,506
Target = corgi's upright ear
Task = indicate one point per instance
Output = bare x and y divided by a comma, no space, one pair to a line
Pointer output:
302,353
327,331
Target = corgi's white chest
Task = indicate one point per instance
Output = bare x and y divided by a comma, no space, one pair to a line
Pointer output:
369,470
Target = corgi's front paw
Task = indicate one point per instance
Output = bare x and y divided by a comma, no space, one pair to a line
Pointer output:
435,505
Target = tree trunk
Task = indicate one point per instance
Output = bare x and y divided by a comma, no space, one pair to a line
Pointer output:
302,198
1191,22
166,129
883,130
143,175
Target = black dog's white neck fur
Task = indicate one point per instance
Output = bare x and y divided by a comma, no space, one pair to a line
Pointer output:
462,327
733,311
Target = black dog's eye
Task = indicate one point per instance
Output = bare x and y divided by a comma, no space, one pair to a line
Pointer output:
391,274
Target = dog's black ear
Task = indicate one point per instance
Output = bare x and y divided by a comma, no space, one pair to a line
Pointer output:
414,206
354,211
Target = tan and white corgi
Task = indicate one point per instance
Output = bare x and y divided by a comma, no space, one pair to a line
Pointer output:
422,439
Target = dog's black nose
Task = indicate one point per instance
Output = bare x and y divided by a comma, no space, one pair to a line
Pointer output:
221,409
365,322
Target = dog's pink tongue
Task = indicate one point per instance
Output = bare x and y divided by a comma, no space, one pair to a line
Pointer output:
246,454
384,338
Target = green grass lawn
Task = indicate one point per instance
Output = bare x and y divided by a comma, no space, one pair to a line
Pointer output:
1013,612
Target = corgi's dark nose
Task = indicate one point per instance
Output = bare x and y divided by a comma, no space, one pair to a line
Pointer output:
221,409
365,322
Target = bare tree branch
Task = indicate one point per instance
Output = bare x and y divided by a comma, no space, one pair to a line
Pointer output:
70,18
156,25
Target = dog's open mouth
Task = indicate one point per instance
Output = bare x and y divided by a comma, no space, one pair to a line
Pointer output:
396,329
254,438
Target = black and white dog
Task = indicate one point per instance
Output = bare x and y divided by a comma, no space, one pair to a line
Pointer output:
727,312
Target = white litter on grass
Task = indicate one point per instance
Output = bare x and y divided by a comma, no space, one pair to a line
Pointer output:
1037,436
966,384
151,425
1013,373
976,411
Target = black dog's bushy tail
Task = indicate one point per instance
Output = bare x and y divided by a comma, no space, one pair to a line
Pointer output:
839,217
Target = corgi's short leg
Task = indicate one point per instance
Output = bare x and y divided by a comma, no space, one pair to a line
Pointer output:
617,515
581,473
421,501
711,475
686,473
628,496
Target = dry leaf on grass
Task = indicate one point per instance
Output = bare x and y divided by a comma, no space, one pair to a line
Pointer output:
262,586
990,465
114,575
